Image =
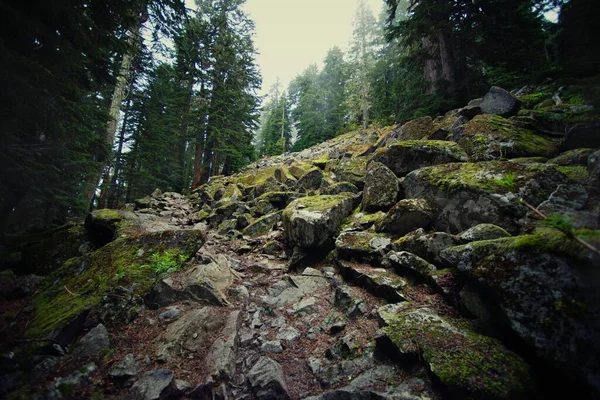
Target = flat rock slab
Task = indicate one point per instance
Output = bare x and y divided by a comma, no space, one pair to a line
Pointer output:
153,385
380,282
266,379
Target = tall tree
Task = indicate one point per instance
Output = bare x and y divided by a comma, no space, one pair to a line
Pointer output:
333,79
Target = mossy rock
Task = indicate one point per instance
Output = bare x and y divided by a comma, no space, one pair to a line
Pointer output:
361,220
489,137
416,129
298,169
263,225
467,194
467,364
351,170
572,157
546,287
576,173
362,245
82,282
321,162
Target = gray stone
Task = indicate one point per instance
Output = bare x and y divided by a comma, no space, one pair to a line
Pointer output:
170,314
311,180
483,232
220,360
124,369
408,262
153,385
380,282
500,102
381,188
426,245
93,345
272,346
288,335
340,187
593,164
407,215
305,307
266,379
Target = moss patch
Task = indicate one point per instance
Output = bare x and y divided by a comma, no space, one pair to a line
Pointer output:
82,282
577,173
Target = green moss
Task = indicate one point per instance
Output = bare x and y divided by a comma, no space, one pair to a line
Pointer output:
473,365
490,136
577,173
440,144
82,282
320,203
257,177
107,215
531,100
321,162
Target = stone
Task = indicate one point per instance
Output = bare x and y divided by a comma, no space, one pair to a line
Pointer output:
406,216
220,360
408,262
311,180
351,170
582,135
340,187
379,282
305,307
93,345
426,245
415,129
170,314
273,346
153,385
500,102
465,362
266,379
381,188
482,232
362,245
593,164
124,369
76,378
467,194
311,221
404,157
288,335
263,225
568,201
572,157
240,292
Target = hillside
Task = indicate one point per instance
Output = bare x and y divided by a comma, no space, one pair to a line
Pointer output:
445,258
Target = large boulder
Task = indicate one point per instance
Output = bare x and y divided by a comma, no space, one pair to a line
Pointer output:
546,291
262,225
468,364
406,215
310,180
582,135
153,385
266,379
426,245
381,188
500,102
415,129
312,221
489,137
406,156
362,245
351,170
467,194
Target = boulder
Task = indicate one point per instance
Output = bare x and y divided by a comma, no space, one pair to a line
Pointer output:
220,360
425,245
546,292
415,129
467,364
407,215
380,282
572,157
263,225
124,370
582,135
153,385
362,245
310,180
499,102
406,262
340,187
593,164
266,379
482,232
490,137
406,156
351,170
467,194
94,344
568,202
381,188
312,221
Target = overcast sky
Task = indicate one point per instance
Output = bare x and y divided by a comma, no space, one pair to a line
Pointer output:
292,34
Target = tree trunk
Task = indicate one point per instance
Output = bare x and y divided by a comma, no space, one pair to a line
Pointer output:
113,199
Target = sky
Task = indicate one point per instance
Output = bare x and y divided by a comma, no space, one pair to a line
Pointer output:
292,34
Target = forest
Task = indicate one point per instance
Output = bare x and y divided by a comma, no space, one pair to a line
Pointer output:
103,102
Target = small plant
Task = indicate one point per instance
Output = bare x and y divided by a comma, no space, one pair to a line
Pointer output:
507,181
558,222
121,273
165,263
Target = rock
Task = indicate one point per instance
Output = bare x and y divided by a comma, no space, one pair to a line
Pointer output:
272,247
288,335
340,187
273,346
305,307
263,225
593,164
379,282
311,221
180,386
572,157
125,369
388,313
500,102
266,379
227,226
483,232
240,292
568,202
408,262
311,180
170,314
415,129
466,363
220,360
93,345
351,170
490,137
542,292
582,135
467,194
153,385
425,245
404,157
79,377
407,215
362,245
381,188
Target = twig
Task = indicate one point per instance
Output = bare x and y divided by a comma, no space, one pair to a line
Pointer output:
67,289
568,233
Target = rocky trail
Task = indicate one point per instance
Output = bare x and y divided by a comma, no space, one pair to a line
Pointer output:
411,262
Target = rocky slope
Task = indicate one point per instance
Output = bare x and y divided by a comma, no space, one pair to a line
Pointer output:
445,258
